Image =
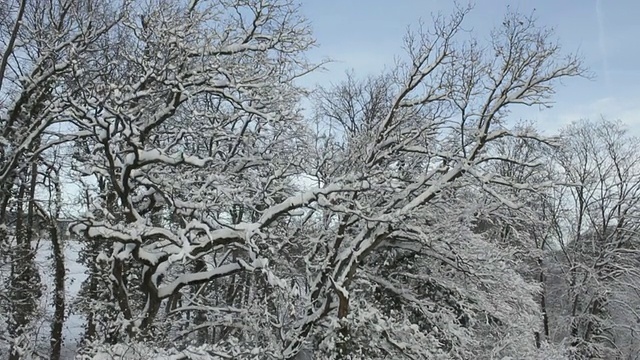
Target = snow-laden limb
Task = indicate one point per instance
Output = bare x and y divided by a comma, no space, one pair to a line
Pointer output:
143,351
302,199
201,277
156,155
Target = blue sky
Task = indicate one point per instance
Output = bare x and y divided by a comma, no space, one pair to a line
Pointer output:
365,35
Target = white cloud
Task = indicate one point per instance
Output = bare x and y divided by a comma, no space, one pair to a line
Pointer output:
611,108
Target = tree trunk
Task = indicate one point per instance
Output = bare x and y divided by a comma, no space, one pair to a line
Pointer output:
543,308
25,278
59,295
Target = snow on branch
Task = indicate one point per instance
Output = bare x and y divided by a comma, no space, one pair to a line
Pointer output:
201,277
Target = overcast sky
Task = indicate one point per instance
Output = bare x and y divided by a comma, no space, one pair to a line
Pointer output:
364,35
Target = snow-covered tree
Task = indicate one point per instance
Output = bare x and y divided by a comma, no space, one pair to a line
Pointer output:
596,269
195,131
406,263
202,233
41,41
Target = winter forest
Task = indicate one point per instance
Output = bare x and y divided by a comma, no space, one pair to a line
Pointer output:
170,190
